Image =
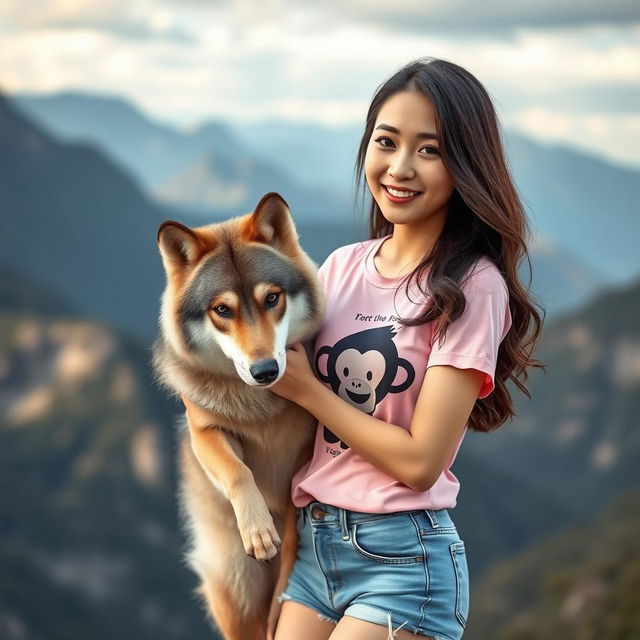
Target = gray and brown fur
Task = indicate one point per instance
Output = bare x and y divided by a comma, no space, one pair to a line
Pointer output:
235,476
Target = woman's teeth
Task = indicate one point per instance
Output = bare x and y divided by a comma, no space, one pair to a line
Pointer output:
401,194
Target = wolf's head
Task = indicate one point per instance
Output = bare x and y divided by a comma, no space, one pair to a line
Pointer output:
239,292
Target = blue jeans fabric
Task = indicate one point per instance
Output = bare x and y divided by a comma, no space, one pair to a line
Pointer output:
409,565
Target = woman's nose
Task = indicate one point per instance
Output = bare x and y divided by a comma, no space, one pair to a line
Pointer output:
401,168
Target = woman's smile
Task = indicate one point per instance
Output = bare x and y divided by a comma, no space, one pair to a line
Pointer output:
400,195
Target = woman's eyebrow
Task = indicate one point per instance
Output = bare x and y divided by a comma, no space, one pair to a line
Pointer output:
427,135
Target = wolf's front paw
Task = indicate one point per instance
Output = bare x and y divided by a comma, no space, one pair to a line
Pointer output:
260,539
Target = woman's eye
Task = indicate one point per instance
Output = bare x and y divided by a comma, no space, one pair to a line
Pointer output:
385,141
431,150
272,299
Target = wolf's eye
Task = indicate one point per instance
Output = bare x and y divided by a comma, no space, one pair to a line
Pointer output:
272,299
222,310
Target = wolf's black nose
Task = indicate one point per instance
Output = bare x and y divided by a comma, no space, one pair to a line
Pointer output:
264,371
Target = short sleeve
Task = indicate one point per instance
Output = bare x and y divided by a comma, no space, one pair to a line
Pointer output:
326,270
322,274
472,341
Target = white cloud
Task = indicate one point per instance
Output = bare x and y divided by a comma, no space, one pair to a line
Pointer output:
293,64
35,13
138,19
489,15
609,136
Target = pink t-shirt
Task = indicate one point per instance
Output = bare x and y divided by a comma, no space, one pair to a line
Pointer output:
378,366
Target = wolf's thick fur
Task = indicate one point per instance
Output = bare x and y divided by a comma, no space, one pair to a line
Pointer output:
237,294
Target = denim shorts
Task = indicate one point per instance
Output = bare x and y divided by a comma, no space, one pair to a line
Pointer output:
406,569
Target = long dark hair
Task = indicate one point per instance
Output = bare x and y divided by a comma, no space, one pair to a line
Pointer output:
485,218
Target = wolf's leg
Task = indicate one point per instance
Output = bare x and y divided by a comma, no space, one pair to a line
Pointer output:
289,551
287,560
224,609
220,455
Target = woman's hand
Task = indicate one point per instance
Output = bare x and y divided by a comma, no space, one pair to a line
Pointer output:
298,381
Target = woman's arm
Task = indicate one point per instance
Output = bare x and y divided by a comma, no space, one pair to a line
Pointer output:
415,457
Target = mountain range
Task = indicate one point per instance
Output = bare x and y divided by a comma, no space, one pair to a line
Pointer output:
87,209
581,583
89,540
581,204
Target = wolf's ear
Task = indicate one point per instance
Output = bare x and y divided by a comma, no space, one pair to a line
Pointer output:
179,246
272,224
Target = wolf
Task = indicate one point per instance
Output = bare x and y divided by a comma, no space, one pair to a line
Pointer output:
237,293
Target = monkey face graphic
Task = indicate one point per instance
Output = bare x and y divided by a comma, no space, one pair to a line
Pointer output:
359,374
361,369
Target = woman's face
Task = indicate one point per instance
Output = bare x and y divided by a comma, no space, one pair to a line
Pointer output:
403,167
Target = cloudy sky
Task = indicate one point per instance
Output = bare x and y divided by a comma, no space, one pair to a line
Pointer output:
559,70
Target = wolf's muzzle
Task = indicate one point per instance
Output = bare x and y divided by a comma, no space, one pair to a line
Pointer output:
264,371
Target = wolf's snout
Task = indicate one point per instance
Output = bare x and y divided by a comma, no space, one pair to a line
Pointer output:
264,371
